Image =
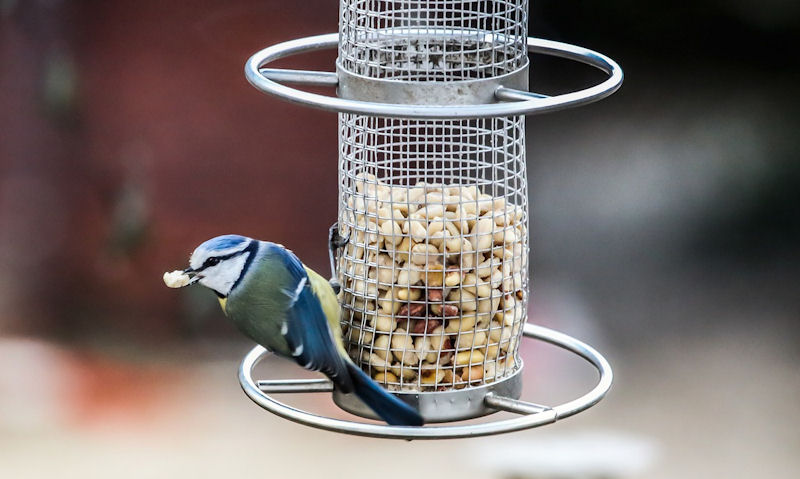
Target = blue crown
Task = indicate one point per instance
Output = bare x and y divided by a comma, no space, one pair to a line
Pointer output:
221,243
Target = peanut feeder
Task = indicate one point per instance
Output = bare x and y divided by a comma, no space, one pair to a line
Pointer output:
433,204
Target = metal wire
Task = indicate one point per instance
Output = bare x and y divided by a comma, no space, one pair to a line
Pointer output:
432,40
435,274
434,278
533,415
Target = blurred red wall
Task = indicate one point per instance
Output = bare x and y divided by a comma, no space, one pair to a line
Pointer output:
130,135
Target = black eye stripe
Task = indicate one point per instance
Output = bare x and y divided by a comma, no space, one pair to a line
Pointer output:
211,262
214,260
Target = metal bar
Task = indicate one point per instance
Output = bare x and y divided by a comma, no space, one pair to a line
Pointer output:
255,64
296,386
514,405
586,352
441,432
302,77
510,94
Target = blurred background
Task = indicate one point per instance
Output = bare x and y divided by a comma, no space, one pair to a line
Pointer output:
665,231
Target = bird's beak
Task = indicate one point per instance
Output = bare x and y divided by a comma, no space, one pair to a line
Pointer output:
194,276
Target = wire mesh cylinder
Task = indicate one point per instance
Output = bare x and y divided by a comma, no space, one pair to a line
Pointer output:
432,40
435,273
434,277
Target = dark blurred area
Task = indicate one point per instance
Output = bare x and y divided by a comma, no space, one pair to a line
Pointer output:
665,231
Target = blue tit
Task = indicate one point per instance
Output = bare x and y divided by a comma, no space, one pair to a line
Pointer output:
289,309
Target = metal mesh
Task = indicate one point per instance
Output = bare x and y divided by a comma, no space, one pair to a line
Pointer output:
435,273
441,40
434,277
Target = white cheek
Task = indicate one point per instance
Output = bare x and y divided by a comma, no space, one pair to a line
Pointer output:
222,277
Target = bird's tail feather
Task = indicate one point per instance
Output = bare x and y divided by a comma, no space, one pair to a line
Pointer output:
388,407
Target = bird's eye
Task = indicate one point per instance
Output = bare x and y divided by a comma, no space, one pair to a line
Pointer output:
211,262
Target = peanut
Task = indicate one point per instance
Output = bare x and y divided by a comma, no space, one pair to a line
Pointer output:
438,338
422,254
406,373
433,376
363,288
448,377
358,335
496,280
502,253
434,295
383,323
465,299
466,323
452,278
365,182
485,268
471,374
387,303
415,195
417,230
481,234
434,276
376,361
386,377
408,294
424,326
469,357
468,210
437,240
386,275
469,340
422,344
512,283
489,306
468,258
492,351
437,272
433,212
489,370
499,334
381,346
407,277
391,231
415,310
403,347
401,251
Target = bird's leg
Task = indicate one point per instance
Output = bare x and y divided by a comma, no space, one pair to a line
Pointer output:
335,241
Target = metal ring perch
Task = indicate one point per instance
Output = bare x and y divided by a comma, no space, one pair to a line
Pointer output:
509,101
532,415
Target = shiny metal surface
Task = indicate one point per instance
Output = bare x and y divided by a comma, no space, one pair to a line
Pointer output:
409,92
383,163
303,77
516,102
295,386
432,41
444,406
503,403
534,415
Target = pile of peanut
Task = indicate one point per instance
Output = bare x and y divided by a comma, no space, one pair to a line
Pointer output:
433,286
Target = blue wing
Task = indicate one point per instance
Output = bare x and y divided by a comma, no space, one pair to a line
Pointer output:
306,330
309,337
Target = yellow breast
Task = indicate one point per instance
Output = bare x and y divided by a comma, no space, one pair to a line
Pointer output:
222,303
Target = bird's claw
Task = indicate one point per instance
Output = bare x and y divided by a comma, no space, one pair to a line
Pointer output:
335,241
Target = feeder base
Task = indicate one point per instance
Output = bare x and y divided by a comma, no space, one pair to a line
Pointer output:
530,414
443,406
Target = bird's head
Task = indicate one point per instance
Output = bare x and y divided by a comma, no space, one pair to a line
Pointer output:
220,263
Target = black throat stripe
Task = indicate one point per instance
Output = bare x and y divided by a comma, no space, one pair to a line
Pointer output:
252,248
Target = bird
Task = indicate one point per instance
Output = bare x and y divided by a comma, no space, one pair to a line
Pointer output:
281,304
